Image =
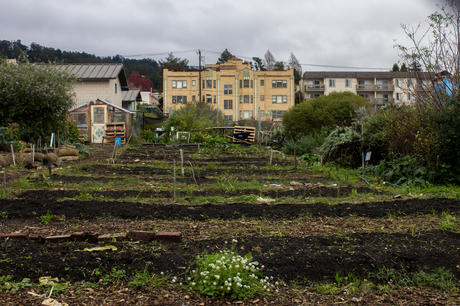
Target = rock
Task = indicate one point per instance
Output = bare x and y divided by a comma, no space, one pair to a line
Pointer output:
398,196
294,183
4,161
67,152
265,200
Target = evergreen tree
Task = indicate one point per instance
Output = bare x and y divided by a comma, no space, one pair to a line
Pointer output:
225,56
395,68
403,68
258,64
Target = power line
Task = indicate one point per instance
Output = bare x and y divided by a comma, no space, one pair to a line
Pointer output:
251,58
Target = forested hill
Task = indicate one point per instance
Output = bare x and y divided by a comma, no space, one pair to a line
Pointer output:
36,53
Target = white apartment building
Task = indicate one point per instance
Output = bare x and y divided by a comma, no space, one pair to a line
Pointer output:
379,88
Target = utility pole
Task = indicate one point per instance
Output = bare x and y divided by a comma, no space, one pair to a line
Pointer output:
199,76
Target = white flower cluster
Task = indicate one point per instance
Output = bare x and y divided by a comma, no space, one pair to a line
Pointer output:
228,273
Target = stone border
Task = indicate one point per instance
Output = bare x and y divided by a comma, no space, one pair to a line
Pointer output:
143,236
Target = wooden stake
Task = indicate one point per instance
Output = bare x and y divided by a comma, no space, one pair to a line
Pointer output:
193,172
182,161
271,156
295,160
4,181
33,153
174,179
346,176
52,140
12,154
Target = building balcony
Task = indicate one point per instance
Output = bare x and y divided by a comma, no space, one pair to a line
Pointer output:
365,87
384,87
382,101
314,87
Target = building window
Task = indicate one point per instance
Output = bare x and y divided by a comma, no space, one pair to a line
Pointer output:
208,99
246,82
277,114
409,96
241,83
228,104
203,84
364,95
398,96
179,99
398,83
193,99
262,82
116,87
208,83
228,89
252,99
193,82
246,98
179,84
262,98
214,84
246,114
241,99
279,84
314,95
331,83
348,83
409,83
252,84
78,118
228,118
279,99
214,99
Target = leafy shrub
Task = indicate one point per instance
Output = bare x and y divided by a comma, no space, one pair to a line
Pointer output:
36,97
311,115
401,171
228,274
307,143
342,146
194,118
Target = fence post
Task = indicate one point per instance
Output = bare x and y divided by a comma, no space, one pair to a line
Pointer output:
182,161
174,179
12,154
4,181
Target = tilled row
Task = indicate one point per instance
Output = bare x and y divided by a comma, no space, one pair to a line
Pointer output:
26,209
314,258
317,191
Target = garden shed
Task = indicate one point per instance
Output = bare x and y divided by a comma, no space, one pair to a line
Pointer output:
100,121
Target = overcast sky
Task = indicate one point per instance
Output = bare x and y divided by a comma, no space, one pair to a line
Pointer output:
358,33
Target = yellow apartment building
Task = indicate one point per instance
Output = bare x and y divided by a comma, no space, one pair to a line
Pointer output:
233,88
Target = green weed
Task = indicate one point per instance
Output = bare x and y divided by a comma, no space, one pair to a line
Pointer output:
448,222
146,280
115,276
46,218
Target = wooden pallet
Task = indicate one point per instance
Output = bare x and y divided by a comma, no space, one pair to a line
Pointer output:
113,130
240,129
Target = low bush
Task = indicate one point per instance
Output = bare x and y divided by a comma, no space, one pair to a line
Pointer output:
342,146
401,171
226,273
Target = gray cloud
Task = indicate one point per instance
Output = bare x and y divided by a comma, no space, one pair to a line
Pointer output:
335,32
